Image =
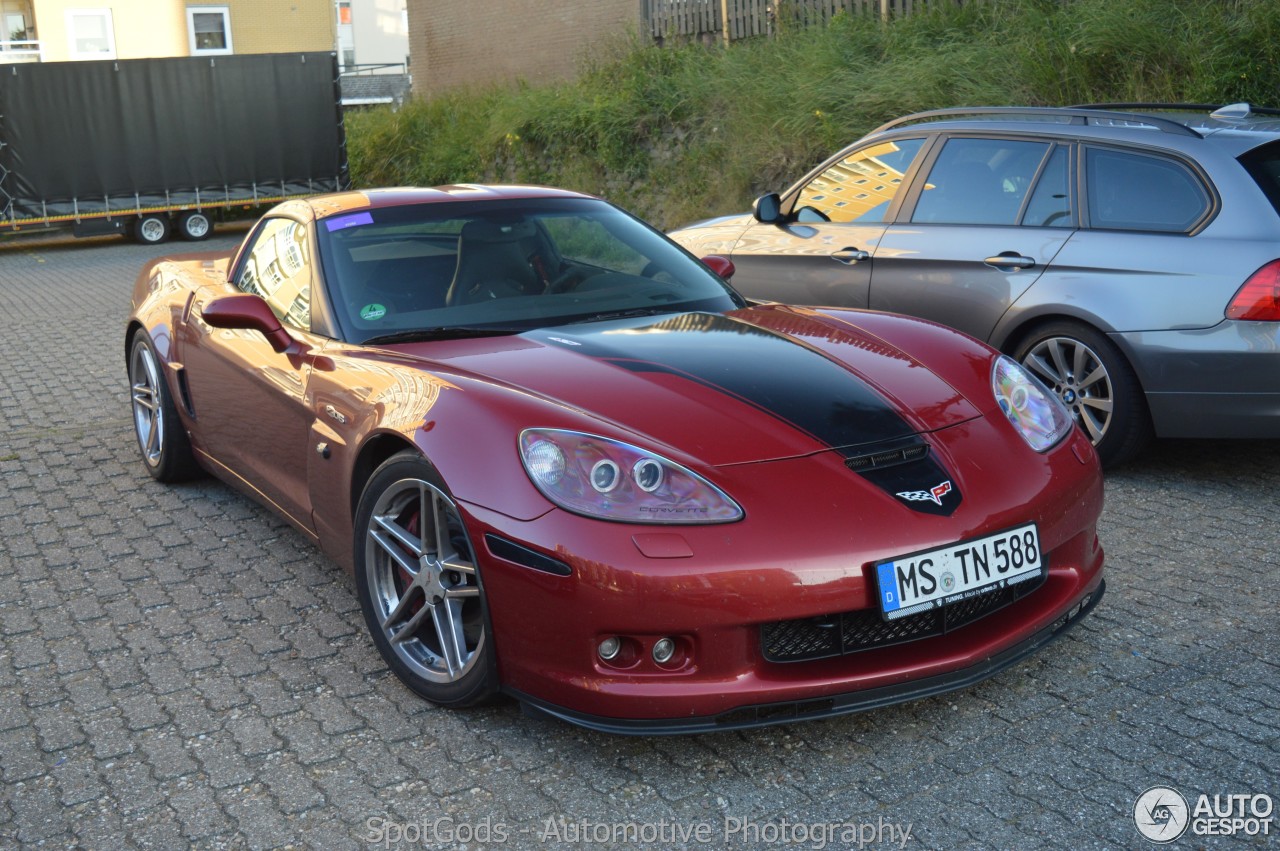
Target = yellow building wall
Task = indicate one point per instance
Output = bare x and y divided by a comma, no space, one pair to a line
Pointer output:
282,26
142,28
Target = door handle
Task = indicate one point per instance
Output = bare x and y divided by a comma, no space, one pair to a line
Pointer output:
1010,261
850,255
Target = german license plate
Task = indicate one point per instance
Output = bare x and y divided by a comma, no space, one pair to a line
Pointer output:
939,577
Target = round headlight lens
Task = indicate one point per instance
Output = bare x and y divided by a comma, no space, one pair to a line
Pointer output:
605,476
647,474
546,462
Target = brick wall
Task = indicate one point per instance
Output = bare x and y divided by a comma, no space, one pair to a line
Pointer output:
456,43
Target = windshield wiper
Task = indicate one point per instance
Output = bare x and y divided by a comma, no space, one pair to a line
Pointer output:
623,314
421,335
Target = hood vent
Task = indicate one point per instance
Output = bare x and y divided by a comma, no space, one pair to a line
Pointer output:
887,458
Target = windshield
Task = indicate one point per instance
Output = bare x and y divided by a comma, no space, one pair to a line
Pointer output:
398,273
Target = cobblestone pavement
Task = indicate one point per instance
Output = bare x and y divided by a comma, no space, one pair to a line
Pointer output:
178,667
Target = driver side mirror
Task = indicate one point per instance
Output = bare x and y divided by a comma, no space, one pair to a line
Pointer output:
768,208
245,311
722,266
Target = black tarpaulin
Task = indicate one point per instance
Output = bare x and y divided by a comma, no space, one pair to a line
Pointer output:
84,138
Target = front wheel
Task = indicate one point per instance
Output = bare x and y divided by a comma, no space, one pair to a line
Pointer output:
1094,380
419,586
166,450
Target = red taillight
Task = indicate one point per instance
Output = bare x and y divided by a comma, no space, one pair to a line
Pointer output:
1259,299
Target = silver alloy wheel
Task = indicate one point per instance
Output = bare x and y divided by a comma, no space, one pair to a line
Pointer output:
148,407
422,581
152,230
1076,373
195,226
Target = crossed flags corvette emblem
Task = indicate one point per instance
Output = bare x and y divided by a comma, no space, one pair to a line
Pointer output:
933,494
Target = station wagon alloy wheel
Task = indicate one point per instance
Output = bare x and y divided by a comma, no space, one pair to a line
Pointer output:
1078,376
1095,382
420,586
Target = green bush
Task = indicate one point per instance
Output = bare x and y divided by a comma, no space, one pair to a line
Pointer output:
680,133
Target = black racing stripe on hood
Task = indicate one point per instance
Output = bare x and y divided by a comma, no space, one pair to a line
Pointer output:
775,374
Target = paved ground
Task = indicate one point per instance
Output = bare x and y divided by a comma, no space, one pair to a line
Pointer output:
179,667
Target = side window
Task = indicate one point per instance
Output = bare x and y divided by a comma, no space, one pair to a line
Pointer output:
1138,191
860,187
1263,165
278,268
1050,204
979,182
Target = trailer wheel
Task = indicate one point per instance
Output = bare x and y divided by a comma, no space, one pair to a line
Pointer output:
151,228
194,226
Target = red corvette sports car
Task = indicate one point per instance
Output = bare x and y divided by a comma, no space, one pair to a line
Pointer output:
567,462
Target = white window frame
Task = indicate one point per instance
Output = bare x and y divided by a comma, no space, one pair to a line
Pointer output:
225,11
72,50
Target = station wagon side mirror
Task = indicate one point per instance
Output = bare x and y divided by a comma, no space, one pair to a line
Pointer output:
247,312
768,208
722,266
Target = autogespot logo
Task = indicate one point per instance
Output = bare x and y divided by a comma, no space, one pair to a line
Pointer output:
1161,814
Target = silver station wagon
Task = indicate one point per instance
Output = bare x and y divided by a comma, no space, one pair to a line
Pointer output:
1126,253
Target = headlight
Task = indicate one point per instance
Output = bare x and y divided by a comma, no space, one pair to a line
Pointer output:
1037,414
612,480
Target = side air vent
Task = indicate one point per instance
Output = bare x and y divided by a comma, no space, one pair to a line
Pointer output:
513,552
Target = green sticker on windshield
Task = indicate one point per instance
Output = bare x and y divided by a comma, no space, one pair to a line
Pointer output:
371,312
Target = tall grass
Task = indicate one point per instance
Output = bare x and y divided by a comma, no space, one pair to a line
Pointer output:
679,133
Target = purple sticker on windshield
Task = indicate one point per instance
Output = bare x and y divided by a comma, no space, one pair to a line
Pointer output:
348,221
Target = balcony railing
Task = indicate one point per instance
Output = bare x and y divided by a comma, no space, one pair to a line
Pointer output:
20,51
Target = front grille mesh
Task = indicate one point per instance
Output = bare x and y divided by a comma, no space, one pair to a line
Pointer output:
852,632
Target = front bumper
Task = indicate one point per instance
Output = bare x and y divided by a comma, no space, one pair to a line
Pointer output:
805,550
763,715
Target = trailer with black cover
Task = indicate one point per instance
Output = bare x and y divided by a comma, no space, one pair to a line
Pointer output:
150,148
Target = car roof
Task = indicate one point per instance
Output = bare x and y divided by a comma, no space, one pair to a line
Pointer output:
1238,127
332,204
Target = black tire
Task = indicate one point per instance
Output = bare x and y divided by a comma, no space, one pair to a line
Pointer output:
194,226
1096,383
419,585
162,439
152,228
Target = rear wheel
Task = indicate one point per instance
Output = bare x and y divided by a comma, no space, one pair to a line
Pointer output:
419,585
151,228
166,450
194,226
1095,382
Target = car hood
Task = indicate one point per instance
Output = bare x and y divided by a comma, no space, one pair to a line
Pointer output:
756,384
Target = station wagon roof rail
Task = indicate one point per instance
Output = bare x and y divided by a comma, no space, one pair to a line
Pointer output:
1218,110
1077,115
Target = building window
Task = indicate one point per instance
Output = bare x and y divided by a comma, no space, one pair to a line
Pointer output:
15,27
209,30
90,34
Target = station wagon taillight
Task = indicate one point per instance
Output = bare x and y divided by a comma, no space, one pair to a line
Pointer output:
1259,299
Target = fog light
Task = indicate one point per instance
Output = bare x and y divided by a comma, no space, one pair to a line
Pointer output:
609,648
663,650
